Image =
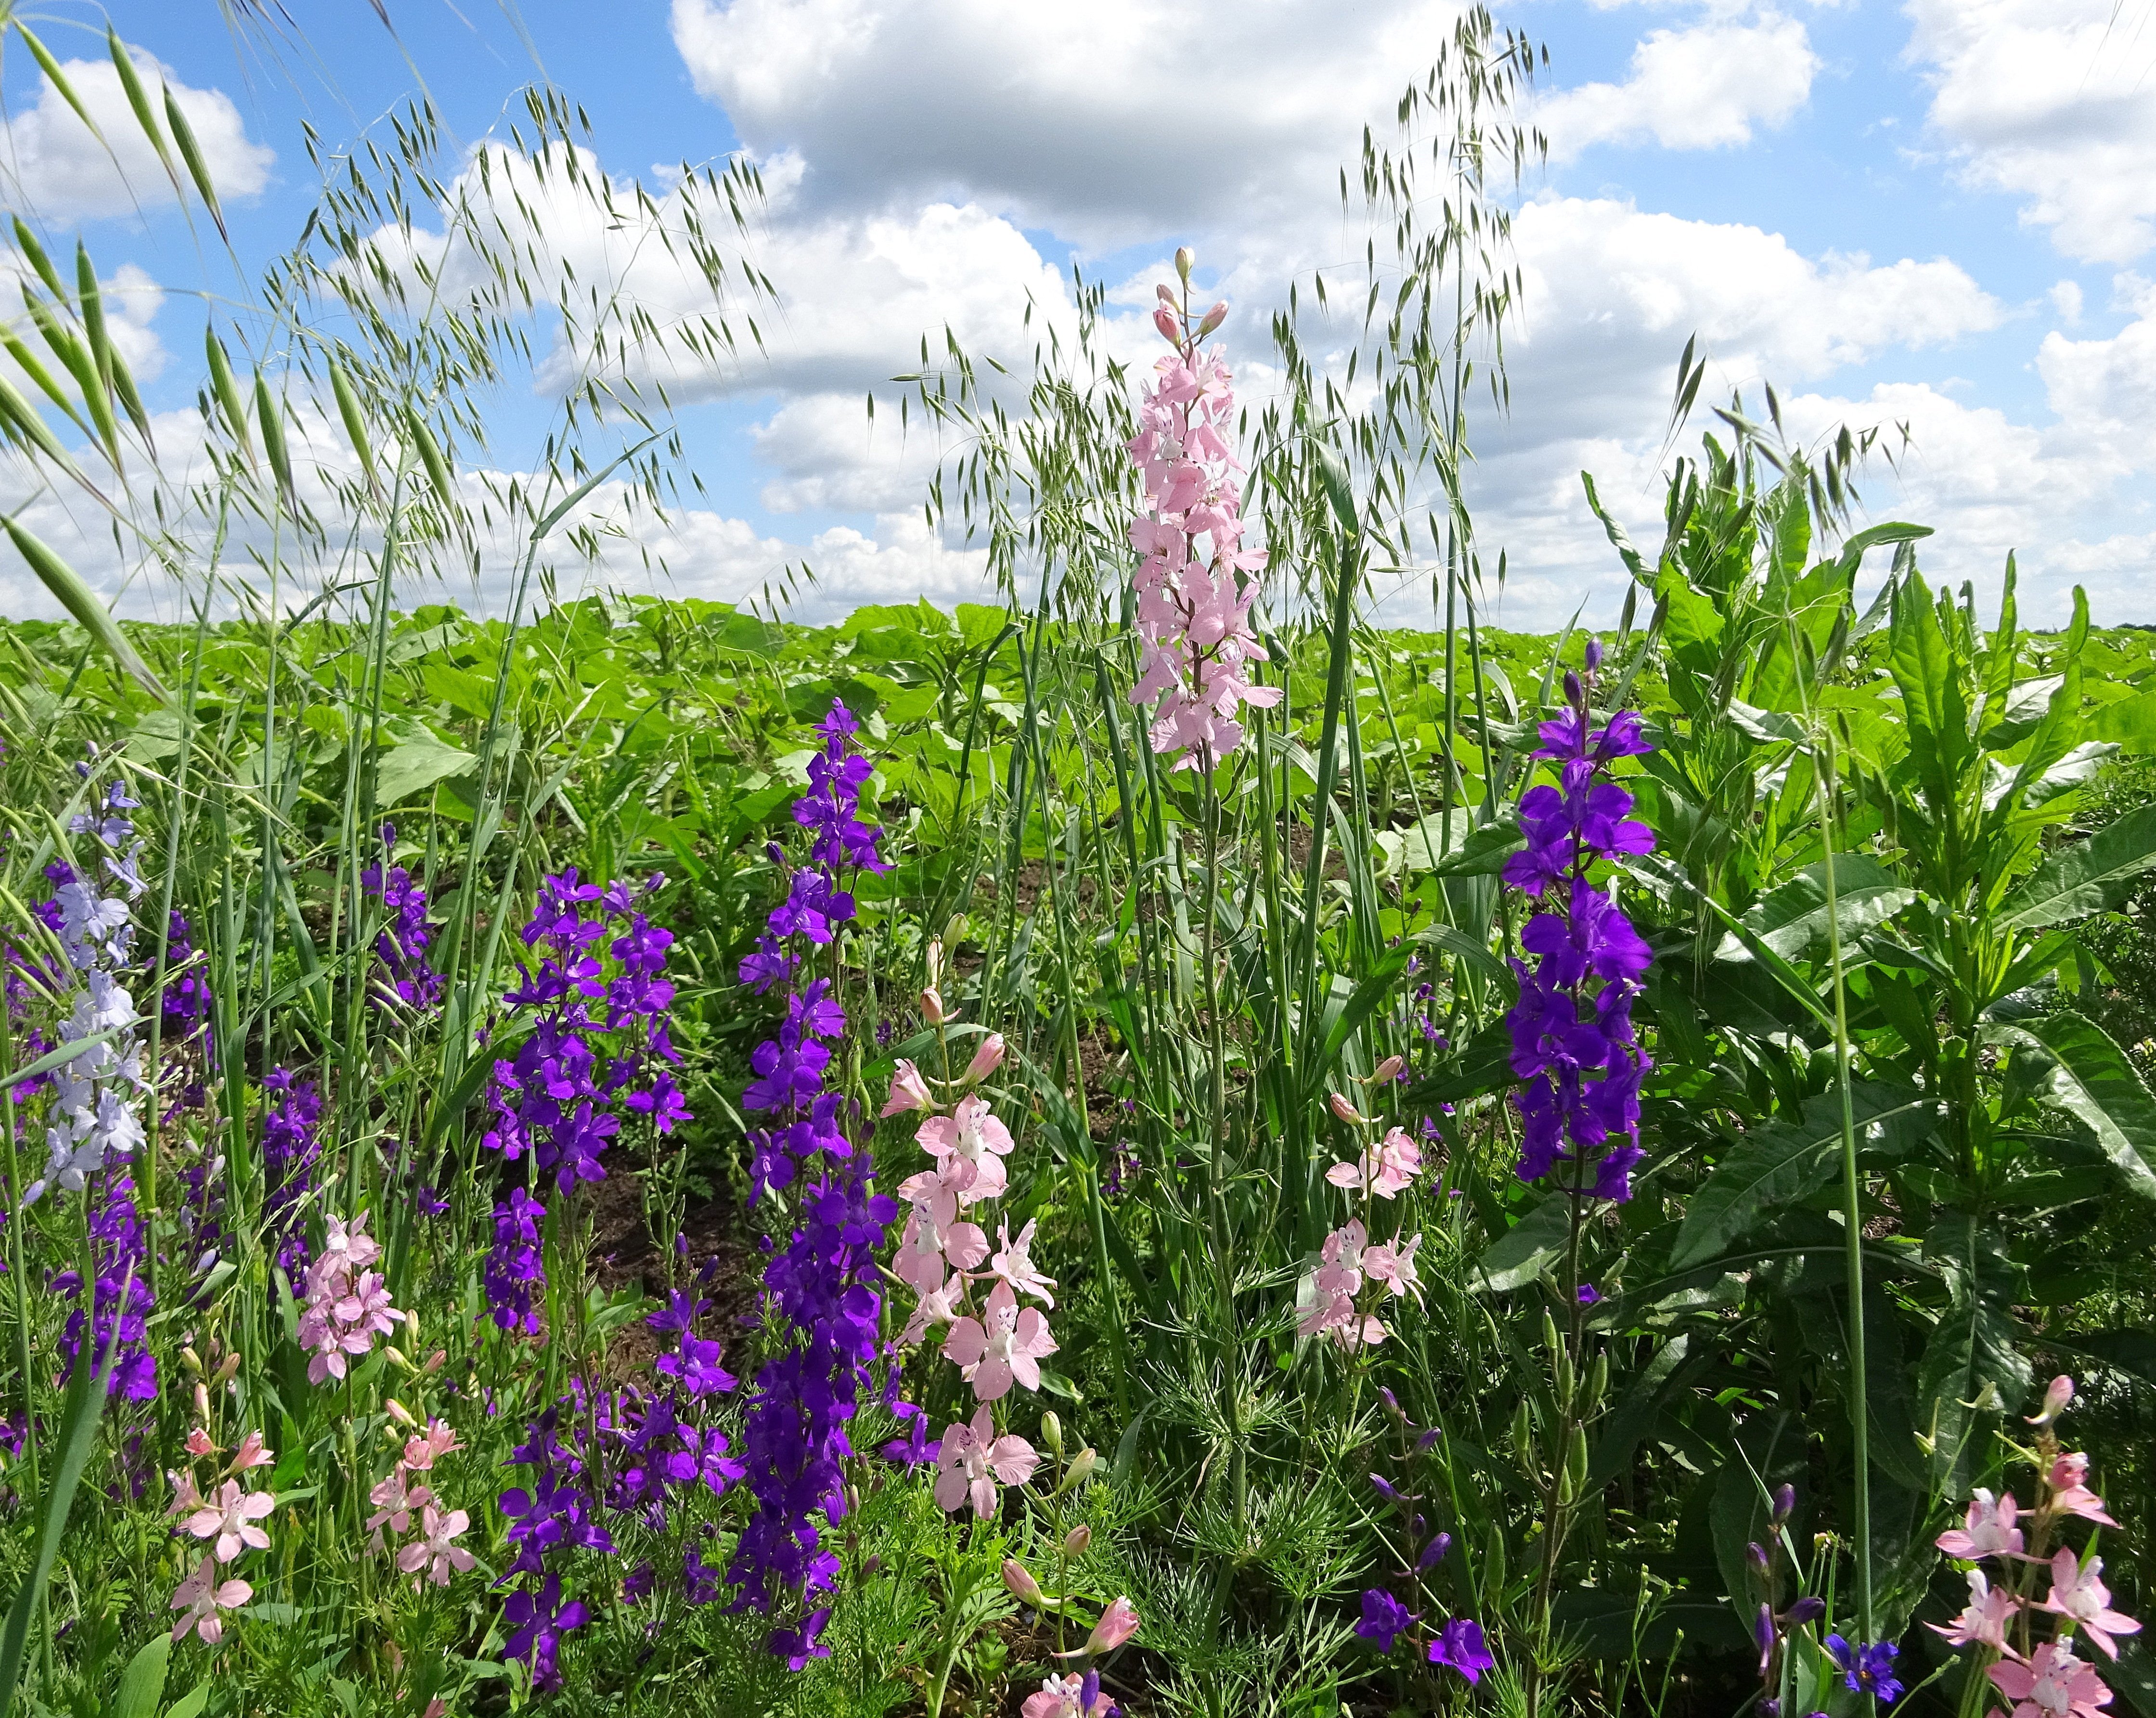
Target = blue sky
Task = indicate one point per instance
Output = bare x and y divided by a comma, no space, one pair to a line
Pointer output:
1939,212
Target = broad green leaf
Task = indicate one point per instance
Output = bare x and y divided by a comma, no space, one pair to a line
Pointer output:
2091,876
1527,1249
410,769
1792,920
2128,723
143,1683
1768,725
1784,1161
1971,1369
192,1704
2091,1080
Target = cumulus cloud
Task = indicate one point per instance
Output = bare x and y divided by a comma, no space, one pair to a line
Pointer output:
2050,101
63,173
1705,87
1109,123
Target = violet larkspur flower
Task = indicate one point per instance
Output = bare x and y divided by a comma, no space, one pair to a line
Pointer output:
538,1621
820,1301
515,1266
1573,1041
119,1245
401,946
1460,1646
1866,1668
290,1151
1384,1619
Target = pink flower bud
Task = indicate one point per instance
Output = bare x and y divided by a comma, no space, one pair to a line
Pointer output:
1388,1071
1166,294
435,1361
198,1443
1076,1540
1117,1624
201,1400
1344,1110
908,1092
398,1412
932,1009
1214,318
1164,320
2057,1396
1020,1582
986,1058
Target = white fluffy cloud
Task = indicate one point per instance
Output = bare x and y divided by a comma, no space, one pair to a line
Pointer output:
1705,87
1109,123
62,173
2052,101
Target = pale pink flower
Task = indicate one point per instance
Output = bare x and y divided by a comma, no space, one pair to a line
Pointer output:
1117,1624
908,1092
2053,1684
986,1059
919,1261
432,1549
1335,1316
186,1499
1340,1268
1989,1612
395,1499
348,1306
423,1452
971,1461
251,1453
1989,1530
198,1444
2080,1593
1004,1344
971,1135
2058,1396
933,1193
1390,1167
938,1305
229,1519
1013,1264
1394,1265
2070,1492
201,1598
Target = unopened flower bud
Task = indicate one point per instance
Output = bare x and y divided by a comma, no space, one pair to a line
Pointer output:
398,1412
228,1369
1755,1554
202,1401
190,1359
931,1007
1076,1540
1214,318
1166,294
1804,1611
1081,1470
1388,1071
1574,693
1392,1403
1185,260
1164,321
198,1443
1120,1621
435,1361
1785,1504
986,1058
1593,655
1022,1585
1051,1432
1345,1111
935,961
2057,1396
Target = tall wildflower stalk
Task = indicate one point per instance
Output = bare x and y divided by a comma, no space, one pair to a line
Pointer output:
1574,1044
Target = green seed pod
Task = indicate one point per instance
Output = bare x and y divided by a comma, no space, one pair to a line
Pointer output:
1575,1459
1551,1340
1523,1431
1598,1380
1493,1561
1561,1369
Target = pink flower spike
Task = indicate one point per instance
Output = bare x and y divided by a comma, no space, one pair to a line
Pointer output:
229,1519
2053,1684
2078,1592
1989,1530
2058,1395
908,1092
201,1598
1985,1620
1013,1264
986,1059
251,1453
